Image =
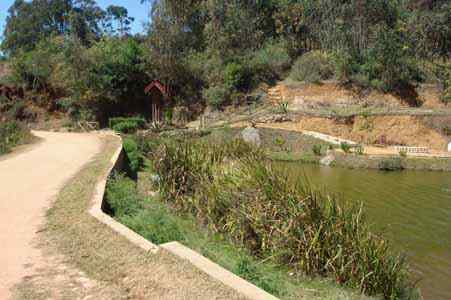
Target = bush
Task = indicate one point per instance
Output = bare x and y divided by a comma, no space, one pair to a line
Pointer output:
313,67
20,111
317,149
390,65
234,191
345,147
271,61
359,150
134,156
12,133
391,164
139,121
215,96
126,127
122,197
235,76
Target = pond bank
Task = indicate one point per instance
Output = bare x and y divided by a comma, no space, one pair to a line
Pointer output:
286,145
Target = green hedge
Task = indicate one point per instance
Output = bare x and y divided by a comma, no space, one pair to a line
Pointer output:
127,125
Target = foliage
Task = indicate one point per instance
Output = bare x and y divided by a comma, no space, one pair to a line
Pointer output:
272,60
390,61
345,147
30,22
215,96
153,224
283,107
211,53
359,150
250,202
12,133
122,197
317,149
134,156
391,164
234,76
127,125
312,67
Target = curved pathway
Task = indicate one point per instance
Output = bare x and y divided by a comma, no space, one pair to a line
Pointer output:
28,182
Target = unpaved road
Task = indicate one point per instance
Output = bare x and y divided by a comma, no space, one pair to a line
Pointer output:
28,182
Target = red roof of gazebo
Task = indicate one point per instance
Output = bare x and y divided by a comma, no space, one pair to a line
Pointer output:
158,85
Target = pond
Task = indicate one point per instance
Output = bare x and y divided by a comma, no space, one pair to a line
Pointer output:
412,209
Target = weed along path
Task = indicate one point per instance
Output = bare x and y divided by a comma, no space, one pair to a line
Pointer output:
28,183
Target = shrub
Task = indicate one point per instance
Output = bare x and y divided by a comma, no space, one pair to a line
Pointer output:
359,150
12,133
403,153
234,191
317,149
122,197
139,121
391,164
283,107
313,67
215,96
345,147
273,60
134,156
235,76
390,64
126,127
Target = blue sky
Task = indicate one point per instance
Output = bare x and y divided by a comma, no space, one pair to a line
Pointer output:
135,9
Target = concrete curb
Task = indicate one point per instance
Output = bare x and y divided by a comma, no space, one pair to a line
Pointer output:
179,250
97,212
219,273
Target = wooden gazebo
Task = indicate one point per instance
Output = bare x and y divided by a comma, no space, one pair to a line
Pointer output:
159,97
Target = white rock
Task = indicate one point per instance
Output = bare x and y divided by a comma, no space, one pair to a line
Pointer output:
251,135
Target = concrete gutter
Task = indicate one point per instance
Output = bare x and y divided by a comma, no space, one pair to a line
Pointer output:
202,263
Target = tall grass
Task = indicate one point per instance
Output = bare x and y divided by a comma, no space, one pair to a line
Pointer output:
233,190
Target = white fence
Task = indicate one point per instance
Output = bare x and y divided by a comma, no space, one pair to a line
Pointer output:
412,149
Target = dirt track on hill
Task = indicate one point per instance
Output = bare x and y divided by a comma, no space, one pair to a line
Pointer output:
28,182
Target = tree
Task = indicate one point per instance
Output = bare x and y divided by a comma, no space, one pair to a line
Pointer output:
118,15
29,22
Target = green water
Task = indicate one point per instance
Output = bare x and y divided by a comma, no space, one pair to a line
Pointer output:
413,209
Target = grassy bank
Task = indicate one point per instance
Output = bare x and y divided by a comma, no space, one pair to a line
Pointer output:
124,270
12,134
158,222
231,190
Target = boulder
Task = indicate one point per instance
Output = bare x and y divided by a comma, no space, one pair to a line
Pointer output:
251,135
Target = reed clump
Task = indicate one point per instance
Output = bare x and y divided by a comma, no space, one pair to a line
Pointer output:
232,189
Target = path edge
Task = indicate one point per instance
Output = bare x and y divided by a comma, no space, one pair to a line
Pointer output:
212,269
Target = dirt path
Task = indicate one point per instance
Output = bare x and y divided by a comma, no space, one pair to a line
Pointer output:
28,182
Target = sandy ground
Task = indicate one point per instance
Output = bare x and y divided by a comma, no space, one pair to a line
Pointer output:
28,182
